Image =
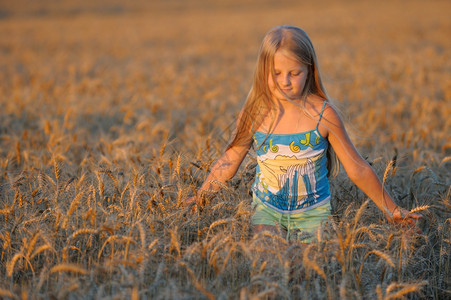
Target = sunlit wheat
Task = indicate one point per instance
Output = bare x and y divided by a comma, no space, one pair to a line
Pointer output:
112,115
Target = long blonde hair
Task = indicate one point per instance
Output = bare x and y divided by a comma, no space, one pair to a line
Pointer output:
259,103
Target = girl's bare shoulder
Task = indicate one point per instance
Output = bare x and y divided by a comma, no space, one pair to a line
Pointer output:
314,105
331,115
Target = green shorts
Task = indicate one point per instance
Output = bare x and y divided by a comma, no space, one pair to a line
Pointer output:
304,225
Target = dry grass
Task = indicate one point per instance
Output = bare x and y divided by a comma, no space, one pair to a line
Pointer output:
112,113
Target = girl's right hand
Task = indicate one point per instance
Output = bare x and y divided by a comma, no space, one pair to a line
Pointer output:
191,201
202,199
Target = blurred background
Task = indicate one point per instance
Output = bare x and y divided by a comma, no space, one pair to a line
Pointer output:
386,63
156,66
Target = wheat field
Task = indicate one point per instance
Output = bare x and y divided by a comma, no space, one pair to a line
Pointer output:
112,113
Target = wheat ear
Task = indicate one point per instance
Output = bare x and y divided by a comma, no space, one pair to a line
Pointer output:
420,208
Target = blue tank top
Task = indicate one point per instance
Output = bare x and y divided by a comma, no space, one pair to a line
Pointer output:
291,173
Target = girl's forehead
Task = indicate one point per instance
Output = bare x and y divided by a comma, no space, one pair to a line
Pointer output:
285,57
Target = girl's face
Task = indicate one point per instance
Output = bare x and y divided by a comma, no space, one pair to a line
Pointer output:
290,76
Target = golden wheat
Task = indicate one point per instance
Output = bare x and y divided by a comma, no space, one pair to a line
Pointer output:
420,208
39,250
68,268
9,294
105,130
405,289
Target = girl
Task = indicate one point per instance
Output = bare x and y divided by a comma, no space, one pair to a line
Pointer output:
298,136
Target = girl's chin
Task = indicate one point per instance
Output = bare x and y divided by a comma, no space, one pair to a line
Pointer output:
288,98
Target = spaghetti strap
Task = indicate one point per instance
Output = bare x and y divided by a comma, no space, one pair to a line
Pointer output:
321,114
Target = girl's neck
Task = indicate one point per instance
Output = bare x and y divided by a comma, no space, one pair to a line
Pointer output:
288,106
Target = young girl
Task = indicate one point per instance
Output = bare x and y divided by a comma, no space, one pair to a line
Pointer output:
298,136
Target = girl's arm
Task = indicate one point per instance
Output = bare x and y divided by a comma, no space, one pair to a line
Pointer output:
360,172
223,170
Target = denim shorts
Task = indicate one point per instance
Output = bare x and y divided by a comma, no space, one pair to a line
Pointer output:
304,224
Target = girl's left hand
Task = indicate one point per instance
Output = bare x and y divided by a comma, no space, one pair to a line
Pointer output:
406,218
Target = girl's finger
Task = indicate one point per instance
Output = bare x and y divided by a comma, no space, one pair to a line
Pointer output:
403,214
414,215
407,219
190,200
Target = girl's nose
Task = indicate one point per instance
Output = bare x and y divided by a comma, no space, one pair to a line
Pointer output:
285,80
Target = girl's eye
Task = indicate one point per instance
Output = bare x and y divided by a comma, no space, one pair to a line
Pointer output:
295,74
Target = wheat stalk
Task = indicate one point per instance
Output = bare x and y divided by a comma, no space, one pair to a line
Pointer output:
268,293
5,211
263,234
39,250
367,231
57,168
381,254
6,240
113,238
215,245
406,288
135,293
386,257
142,234
226,260
8,294
72,268
10,265
30,246
96,131
218,223
177,165
82,231
379,292
310,264
68,183
174,245
72,208
124,262
343,287
359,213
285,274
360,245
18,153
445,160
195,282
419,169
387,169
389,240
